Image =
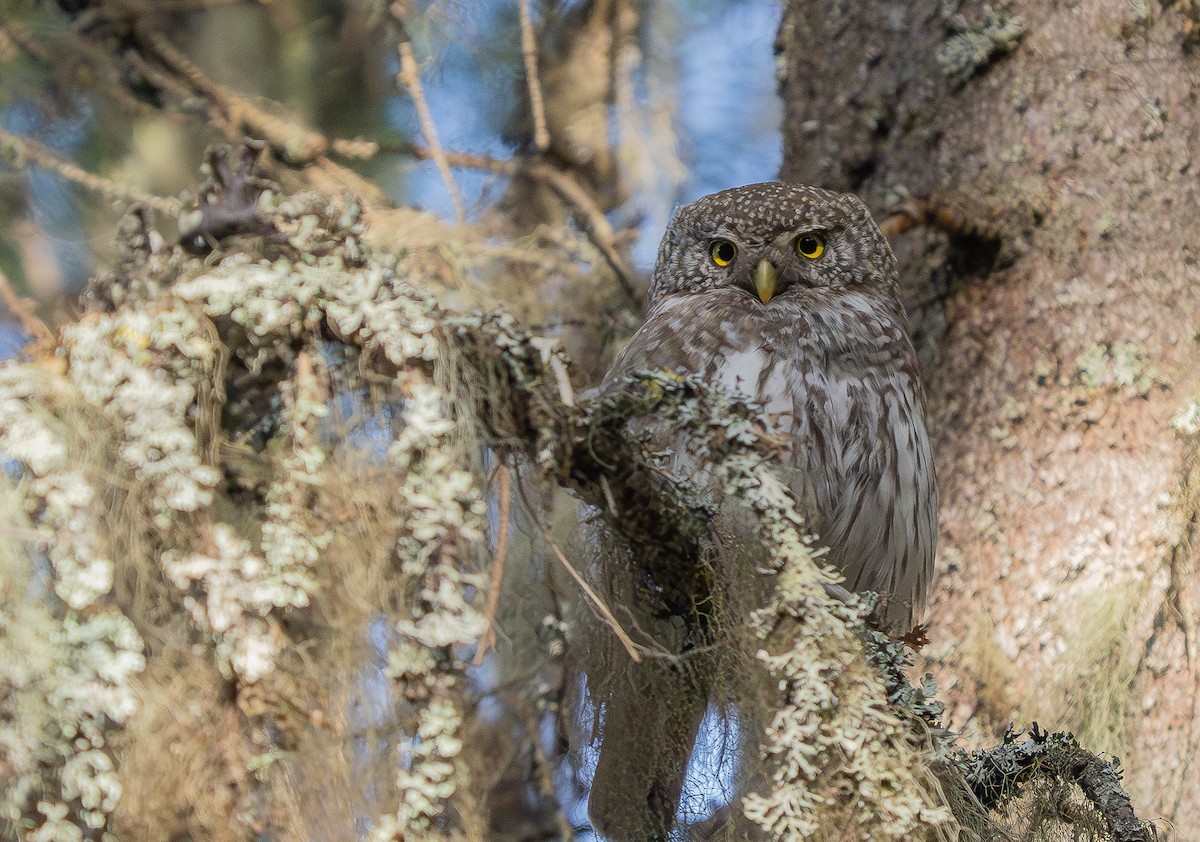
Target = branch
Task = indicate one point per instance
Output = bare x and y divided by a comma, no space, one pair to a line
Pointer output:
22,151
296,143
541,135
588,448
487,640
23,309
595,223
410,77
997,774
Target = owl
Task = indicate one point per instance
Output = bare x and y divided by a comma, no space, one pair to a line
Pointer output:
787,295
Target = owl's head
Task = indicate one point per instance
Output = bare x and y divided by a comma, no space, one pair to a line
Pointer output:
773,241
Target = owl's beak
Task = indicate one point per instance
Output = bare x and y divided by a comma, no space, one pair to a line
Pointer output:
765,278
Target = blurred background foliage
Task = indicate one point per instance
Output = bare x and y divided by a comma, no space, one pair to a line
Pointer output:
687,97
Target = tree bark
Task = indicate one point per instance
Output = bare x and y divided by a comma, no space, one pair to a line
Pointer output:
1037,165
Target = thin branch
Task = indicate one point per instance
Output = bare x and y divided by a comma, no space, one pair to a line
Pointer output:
410,77
22,308
20,36
595,223
297,143
669,524
487,640
541,135
563,379
605,613
358,149
236,116
22,151
462,160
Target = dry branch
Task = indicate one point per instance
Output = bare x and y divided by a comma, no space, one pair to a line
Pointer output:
23,309
503,516
410,77
25,151
998,774
541,135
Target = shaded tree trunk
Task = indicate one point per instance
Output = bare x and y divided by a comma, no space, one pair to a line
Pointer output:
1037,166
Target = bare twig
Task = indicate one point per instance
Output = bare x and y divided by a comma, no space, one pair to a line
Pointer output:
487,640
541,135
463,160
20,36
608,495
22,308
563,379
298,143
605,614
20,151
358,149
595,224
410,77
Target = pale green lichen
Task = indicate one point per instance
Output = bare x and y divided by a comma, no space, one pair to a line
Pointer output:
67,679
966,53
141,366
242,587
1188,419
1121,366
62,698
292,540
62,494
237,593
445,513
283,301
430,778
834,732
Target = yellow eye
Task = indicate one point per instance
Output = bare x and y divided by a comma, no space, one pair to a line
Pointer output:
723,252
811,246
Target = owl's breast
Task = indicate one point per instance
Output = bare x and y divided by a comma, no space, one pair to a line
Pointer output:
838,378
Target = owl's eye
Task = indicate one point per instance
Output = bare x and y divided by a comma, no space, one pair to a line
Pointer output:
811,246
722,252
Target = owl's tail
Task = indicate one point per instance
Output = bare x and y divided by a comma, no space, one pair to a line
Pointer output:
651,720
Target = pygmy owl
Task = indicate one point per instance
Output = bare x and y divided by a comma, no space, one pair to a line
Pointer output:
789,295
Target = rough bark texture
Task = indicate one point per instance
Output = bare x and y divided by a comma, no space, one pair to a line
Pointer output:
1044,151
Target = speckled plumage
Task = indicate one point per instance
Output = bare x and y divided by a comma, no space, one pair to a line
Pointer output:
821,346
827,356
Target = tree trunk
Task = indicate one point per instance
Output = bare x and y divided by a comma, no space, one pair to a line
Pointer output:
1036,163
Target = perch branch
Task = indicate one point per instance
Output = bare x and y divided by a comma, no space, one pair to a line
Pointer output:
997,774
588,449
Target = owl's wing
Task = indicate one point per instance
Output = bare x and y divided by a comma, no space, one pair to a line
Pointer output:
862,469
668,340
